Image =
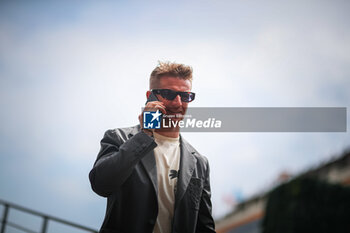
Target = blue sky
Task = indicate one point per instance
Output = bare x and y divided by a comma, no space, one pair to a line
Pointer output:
69,71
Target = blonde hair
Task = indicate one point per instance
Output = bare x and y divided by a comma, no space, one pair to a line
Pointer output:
171,69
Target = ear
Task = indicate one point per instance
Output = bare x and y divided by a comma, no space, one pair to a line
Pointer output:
148,93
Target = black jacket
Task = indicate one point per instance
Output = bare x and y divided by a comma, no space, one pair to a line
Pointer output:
125,172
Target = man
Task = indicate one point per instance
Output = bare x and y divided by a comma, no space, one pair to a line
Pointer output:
154,180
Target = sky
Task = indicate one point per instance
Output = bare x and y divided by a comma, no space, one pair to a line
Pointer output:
70,70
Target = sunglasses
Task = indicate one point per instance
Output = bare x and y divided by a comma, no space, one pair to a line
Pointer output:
171,95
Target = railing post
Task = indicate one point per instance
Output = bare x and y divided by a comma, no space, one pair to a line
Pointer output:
4,218
44,226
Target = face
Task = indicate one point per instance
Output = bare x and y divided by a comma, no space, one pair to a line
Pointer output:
175,106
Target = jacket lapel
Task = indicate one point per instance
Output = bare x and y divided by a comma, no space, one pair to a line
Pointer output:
149,162
187,165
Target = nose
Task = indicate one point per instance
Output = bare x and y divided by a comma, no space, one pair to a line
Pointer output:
177,101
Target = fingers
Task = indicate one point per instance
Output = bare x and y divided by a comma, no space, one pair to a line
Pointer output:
154,106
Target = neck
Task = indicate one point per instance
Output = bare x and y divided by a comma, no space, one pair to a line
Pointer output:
170,132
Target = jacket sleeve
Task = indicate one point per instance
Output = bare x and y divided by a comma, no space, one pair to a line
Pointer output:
205,222
117,159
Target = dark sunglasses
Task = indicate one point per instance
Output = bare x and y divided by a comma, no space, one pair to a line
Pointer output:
171,95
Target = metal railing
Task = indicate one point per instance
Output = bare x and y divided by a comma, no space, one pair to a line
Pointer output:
45,220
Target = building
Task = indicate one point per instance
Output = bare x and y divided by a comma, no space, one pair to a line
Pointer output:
248,215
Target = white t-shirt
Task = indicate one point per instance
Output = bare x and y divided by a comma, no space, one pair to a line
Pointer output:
167,155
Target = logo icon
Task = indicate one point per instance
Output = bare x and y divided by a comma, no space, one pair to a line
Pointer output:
174,174
151,120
